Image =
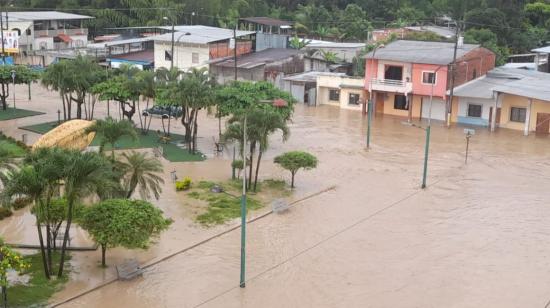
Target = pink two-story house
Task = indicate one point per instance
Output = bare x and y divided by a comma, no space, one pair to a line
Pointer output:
403,74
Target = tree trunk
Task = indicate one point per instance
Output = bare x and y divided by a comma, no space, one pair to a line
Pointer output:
49,246
292,181
195,129
252,151
66,237
5,296
103,250
64,107
258,167
132,187
4,103
42,250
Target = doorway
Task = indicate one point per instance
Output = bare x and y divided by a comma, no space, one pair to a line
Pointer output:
497,121
379,107
543,123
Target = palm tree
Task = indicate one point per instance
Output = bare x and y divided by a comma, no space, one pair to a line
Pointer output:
140,169
30,182
266,123
111,131
85,173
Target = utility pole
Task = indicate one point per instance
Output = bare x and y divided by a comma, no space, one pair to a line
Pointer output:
235,47
242,280
2,36
453,73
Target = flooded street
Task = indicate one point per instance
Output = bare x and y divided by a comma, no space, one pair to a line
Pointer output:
478,236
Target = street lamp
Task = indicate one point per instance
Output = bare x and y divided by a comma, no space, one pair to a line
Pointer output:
278,103
172,50
13,79
369,105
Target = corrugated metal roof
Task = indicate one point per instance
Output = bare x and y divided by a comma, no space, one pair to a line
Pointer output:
545,49
255,59
514,81
441,31
310,76
121,42
439,53
44,15
199,34
314,45
268,21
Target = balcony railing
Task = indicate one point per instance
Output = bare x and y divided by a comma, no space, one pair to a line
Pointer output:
390,85
52,33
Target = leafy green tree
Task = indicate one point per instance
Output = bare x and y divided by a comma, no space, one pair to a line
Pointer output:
296,160
193,92
329,56
9,260
354,23
486,38
120,222
74,80
84,174
111,131
23,75
298,43
142,172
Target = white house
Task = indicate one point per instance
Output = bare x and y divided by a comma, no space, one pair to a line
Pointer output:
340,90
196,46
46,30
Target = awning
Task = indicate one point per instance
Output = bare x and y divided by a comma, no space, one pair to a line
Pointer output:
64,37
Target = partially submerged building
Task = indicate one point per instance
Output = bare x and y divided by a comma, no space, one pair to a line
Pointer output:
404,74
507,98
271,65
270,32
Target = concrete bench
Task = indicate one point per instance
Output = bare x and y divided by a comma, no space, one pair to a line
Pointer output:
128,270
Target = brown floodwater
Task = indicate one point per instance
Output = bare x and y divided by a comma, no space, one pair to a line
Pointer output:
478,236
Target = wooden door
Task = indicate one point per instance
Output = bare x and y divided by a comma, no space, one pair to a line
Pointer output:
497,120
543,123
379,108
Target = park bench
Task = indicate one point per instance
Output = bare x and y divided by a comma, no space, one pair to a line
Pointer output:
128,270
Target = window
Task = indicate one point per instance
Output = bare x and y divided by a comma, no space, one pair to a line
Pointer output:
353,99
474,110
195,57
428,77
167,55
400,102
333,95
518,114
393,72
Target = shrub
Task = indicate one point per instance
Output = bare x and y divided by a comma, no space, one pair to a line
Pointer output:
21,202
4,212
185,184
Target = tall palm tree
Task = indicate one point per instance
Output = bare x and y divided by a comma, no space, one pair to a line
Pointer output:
111,131
85,173
143,171
30,182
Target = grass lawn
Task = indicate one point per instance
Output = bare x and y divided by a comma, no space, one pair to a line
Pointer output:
10,113
171,151
11,148
222,207
38,290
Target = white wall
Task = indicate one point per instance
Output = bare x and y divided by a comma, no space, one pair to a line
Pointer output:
346,85
407,69
182,55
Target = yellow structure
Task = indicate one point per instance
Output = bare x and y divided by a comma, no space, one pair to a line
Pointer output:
339,90
70,135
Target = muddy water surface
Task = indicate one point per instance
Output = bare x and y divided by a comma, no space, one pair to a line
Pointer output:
476,237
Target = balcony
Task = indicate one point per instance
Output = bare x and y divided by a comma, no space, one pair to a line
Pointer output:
52,33
390,85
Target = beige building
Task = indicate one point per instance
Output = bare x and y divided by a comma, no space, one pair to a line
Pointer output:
340,90
520,98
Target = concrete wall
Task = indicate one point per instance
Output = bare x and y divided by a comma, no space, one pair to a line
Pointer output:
227,74
508,101
183,54
346,85
268,40
462,110
420,88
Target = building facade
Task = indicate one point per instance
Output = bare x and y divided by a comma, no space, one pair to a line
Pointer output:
411,78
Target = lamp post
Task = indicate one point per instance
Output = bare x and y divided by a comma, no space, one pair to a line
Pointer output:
369,104
13,80
278,103
172,48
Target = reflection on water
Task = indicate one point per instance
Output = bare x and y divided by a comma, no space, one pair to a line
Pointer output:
476,237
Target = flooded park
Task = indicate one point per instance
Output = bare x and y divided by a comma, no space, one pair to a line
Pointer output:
360,231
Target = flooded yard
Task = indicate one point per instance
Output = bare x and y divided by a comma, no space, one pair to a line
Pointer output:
477,236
